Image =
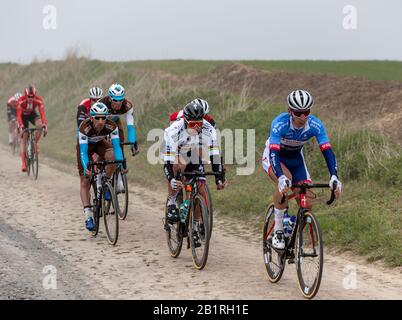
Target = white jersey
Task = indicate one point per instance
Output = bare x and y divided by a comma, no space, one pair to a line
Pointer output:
179,142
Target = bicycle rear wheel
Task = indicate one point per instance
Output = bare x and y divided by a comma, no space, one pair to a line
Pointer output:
309,255
121,192
174,232
110,210
274,262
199,229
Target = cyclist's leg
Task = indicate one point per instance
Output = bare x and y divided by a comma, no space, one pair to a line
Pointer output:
84,181
301,174
105,151
23,144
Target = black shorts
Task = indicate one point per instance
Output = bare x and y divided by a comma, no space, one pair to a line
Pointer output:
26,118
11,113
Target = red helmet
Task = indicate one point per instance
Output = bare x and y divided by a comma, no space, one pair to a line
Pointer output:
30,91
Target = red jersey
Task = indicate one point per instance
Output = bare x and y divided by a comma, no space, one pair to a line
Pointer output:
12,103
25,108
179,114
83,111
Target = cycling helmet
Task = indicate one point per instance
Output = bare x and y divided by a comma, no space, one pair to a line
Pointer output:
116,92
30,91
17,96
98,108
300,100
202,103
193,111
95,93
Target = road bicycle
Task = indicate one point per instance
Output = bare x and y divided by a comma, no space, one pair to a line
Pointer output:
305,244
32,158
104,202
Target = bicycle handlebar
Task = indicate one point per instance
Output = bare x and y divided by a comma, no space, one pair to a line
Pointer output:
314,185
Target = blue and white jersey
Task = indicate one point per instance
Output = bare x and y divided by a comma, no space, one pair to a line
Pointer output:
289,140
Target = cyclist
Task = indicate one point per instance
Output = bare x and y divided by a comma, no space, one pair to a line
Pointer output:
27,111
185,141
92,135
118,105
85,105
11,115
283,158
179,114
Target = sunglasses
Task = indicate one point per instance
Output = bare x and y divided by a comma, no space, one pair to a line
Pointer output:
298,114
100,118
194,124
30,97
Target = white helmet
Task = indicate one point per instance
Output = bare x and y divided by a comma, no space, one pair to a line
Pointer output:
95,93
203,103
99,108
17,96
116,92
300,100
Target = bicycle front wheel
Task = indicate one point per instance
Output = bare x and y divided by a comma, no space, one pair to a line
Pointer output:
121,188
35,165
96,208
199,231
174,232
110,210
274,262
210,209
309,255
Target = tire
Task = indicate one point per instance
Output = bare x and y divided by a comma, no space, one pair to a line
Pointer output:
274,262
122,198
110,210
210,209
174,234
200,254
35,166
97,209
28,157
309,230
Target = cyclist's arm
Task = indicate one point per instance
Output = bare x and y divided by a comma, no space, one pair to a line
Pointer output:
42,113
132,136
19,116
274,149
83,141
326,149
81,114
169,155
118,154
214,155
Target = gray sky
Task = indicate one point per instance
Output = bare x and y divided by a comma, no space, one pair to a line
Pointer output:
202,29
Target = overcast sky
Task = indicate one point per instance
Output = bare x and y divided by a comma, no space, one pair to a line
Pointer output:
201,29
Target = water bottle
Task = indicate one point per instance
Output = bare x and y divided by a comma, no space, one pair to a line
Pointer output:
183,210
288,224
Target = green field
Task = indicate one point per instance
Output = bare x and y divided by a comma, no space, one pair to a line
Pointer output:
365,220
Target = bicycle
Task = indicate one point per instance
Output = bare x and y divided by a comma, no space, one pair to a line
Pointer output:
187,222
15,137
120,185
109,209
305,228
32,157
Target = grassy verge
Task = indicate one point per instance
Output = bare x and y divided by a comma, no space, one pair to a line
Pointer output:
364,221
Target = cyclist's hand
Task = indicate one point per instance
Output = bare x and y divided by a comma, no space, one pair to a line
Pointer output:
176,184
284,184
88,173
221,185
134,149
338,190
44,128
